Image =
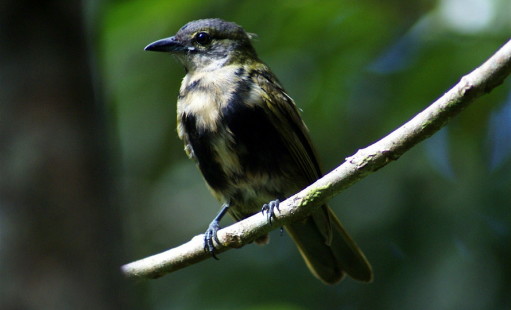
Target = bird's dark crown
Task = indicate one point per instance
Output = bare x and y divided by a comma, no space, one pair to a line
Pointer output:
216,28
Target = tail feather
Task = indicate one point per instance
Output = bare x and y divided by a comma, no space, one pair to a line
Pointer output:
329,260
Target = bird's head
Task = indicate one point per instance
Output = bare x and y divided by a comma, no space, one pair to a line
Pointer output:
207,44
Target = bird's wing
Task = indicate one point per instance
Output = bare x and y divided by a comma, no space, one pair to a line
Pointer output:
286,118
332,252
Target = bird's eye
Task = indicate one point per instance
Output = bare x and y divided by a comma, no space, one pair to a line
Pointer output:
203,38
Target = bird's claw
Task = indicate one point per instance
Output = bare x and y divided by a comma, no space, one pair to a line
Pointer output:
269,209
209,236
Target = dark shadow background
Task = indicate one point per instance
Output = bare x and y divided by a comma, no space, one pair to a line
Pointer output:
89,153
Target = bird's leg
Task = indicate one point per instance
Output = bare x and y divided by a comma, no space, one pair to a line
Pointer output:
269,209
212,230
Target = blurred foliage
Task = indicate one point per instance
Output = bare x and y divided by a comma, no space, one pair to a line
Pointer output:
435,224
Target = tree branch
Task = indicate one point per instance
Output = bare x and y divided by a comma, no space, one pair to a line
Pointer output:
480,81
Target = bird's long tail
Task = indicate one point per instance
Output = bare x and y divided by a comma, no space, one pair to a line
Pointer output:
328,250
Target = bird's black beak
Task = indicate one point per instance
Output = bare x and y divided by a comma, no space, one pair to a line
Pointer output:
171,45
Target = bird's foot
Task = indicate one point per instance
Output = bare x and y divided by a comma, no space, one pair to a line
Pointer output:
209,236
269,209
211,233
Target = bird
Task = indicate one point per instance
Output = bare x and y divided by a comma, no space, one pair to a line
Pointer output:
248,139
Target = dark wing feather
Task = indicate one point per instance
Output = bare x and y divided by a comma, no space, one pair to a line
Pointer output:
331,252
286,118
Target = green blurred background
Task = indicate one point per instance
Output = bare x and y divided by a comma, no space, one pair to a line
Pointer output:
436,224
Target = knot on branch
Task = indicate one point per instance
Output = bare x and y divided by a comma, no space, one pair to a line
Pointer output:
466,86
232,239
372,159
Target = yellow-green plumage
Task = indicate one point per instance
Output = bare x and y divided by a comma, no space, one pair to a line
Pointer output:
250,142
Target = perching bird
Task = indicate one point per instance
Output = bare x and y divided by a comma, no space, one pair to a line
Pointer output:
250,143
